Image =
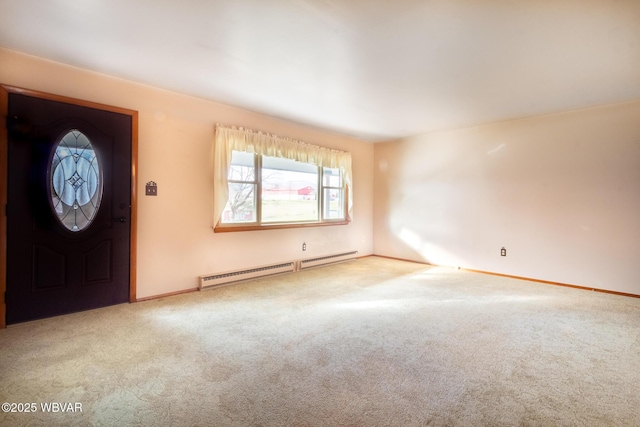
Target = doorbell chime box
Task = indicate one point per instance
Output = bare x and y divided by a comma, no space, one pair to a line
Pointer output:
151,189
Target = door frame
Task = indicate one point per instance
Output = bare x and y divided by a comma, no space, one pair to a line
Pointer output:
5,90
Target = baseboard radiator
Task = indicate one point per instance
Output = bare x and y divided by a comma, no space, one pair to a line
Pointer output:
221,279
328,259
211,281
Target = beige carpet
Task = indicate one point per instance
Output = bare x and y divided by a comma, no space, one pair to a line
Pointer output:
372,342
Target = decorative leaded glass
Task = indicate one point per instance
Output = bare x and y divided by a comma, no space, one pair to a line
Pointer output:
76,181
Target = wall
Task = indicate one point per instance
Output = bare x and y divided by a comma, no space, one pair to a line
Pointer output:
175,239
561,193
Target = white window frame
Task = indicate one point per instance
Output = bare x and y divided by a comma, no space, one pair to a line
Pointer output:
233,139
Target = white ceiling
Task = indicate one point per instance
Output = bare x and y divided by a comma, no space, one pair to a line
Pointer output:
374,69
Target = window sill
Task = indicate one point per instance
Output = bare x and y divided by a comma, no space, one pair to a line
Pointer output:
233,228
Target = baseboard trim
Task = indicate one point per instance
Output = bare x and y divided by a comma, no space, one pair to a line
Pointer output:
169,294
547,282
491,273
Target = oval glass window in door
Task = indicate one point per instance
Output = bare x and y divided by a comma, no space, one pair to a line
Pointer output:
75,180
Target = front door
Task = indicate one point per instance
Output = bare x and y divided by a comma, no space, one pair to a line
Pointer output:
68,208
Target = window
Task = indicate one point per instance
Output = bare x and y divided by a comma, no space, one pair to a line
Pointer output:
75,181
266,190
243,189
333,194
265,181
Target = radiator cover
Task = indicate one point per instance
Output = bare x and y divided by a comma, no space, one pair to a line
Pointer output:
220,279
215,280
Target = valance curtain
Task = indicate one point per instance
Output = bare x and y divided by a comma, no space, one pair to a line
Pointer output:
228,139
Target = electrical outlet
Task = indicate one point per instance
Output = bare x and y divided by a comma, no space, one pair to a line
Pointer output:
304,246
503,252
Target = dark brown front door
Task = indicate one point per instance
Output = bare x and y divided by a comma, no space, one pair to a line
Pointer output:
68,208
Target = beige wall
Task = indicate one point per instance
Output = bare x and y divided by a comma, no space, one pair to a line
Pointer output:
175,240
561,193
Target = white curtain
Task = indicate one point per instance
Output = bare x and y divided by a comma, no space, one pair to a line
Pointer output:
228,139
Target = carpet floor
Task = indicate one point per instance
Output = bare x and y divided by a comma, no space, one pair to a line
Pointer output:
370,342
